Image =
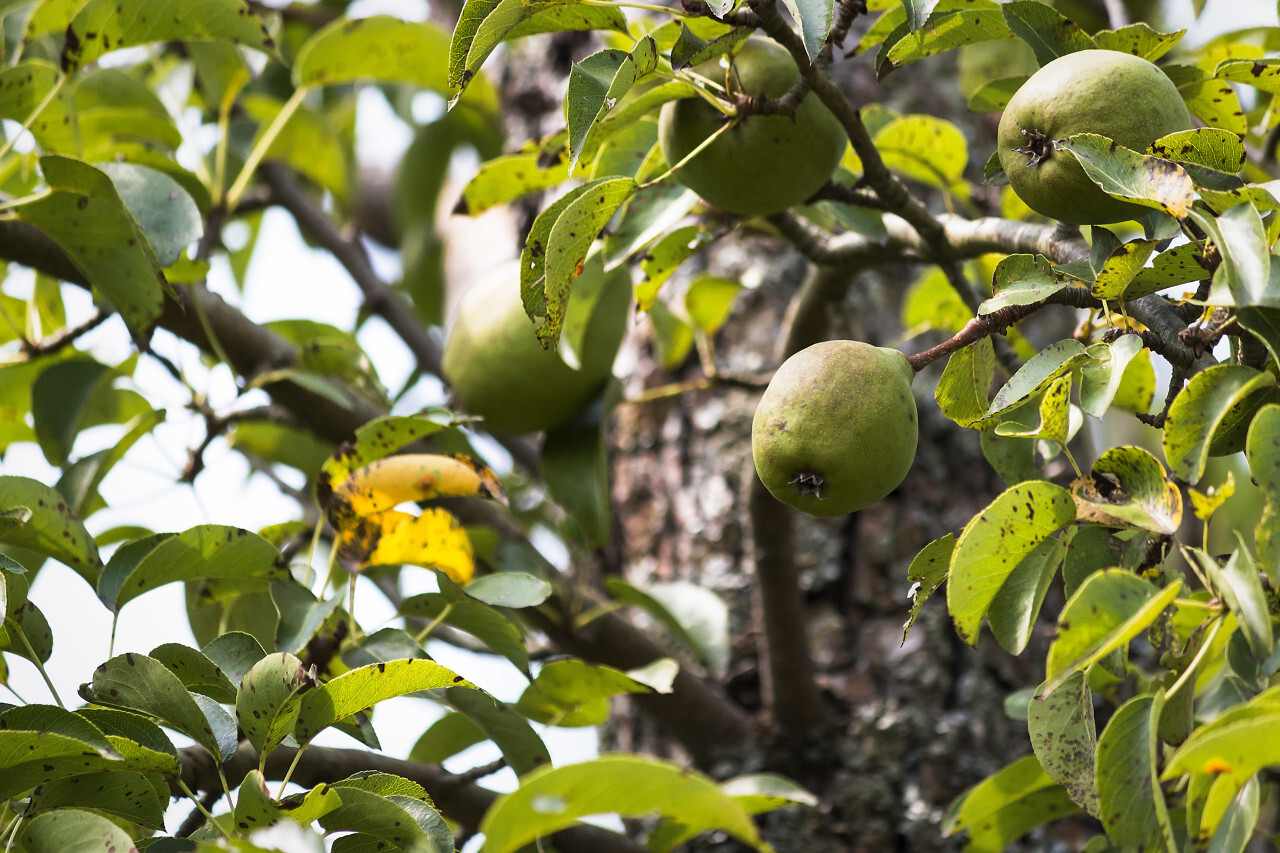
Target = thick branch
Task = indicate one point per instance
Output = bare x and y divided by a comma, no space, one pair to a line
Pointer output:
457,798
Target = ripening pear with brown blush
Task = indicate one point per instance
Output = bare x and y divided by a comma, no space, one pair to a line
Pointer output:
836,429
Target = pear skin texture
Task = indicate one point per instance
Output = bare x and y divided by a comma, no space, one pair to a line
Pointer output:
1117,95
836,429
765,163
497,370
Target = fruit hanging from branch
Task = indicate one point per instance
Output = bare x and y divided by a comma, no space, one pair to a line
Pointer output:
763,164
497,369
1113,94
836,429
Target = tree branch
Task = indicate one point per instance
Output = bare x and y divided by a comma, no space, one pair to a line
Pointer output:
456,797
378,295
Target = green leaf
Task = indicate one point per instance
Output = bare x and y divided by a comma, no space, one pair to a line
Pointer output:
1174,266
1131,803
254,808
575,229
1262,74
59,398
269,699
597,83
1241,589
106,25
993,544
1265,324
1012,613
575,693
210,551
80,481
993,97
926,149
235,654
1021,280
1049,33
307,142
664,257
1244,276
361,688
383,645
379,48
117,113
1263,451
1055,415
551,799
575,466
1064,739
925,574
197,672
479,620
509,589
1201,408
963,391
139,683
1139,178
73,831
1006,806
446,737
520,745
85,216
1235,827
36,517
301,614
709,301
1128,486
484,24
166,215
1139,40
1211,147
123,794
1209,98
648,215
23,88
918,12
691,49
407,821
1121,269
508,178
1108,610
1100,378
814,19
969,23
1035,376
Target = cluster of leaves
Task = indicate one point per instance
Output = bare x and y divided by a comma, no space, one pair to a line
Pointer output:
280,658
1176,642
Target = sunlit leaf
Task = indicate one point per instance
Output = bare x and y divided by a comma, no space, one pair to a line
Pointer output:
1128,486
1110,608
1064,739
37,518
106,25
365,687
552,799
1201,408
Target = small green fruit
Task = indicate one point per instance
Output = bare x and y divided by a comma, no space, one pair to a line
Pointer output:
497,369
1117,95
836,429
765,163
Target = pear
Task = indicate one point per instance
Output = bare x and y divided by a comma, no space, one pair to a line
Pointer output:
836,429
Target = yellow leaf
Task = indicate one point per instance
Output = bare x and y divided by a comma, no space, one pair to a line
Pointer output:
434,539
383,484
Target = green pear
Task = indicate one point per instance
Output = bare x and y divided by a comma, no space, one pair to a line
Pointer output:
497,369
836,429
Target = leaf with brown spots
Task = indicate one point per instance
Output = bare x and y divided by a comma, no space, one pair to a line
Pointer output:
36,517
106,25
1109,609
365,687
1131,803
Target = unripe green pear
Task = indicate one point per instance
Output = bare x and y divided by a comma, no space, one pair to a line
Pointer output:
1113,94
836,429
496,368
764,163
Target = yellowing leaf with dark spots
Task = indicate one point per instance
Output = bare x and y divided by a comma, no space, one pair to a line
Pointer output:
383,484
434,539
